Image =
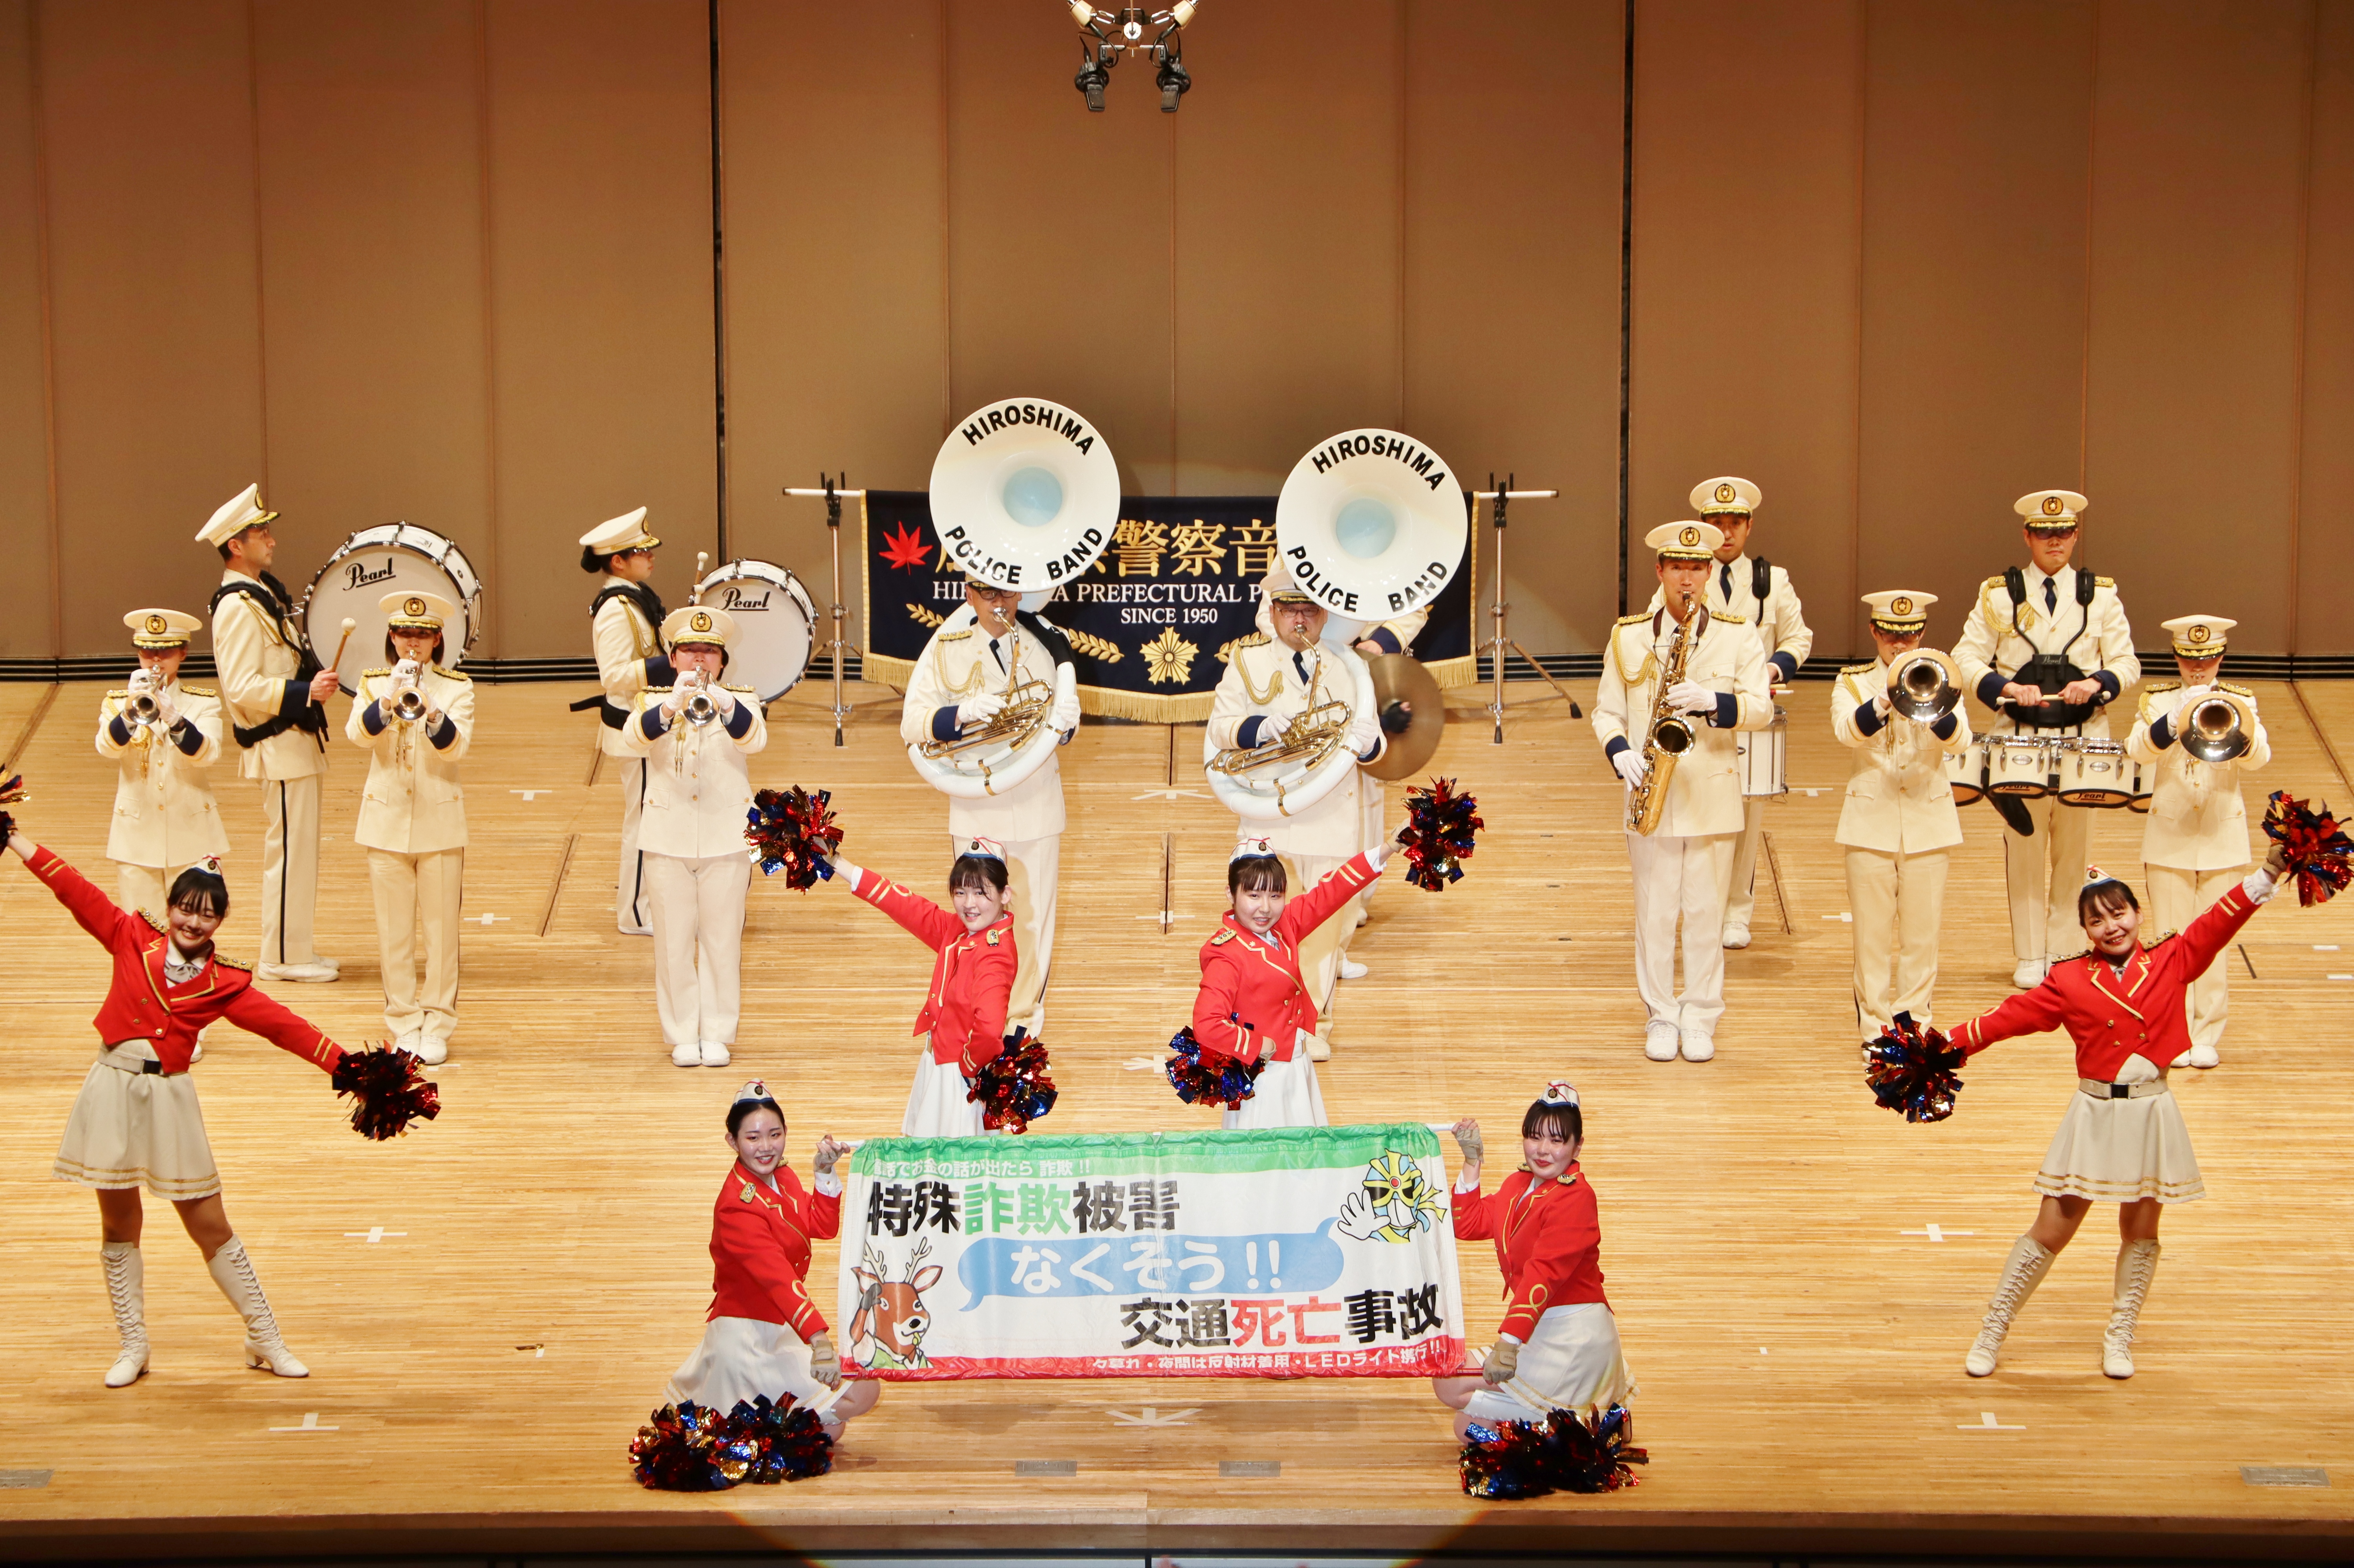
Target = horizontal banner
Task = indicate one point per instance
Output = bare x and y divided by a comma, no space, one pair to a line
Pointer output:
1295,1252
1152,621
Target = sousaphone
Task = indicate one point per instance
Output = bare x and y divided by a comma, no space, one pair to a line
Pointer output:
1025,496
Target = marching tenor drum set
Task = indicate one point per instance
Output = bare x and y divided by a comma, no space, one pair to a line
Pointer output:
1371,525
2079,770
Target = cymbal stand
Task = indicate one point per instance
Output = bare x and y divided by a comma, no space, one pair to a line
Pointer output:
835,646
1501,643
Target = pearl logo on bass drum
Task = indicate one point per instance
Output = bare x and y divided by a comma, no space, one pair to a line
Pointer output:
358,575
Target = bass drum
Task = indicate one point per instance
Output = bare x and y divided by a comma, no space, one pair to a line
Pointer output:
1966,770
2019,765
373,563
2094,773
1765,756
776,624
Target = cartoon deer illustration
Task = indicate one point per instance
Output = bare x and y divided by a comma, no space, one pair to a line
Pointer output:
891,1321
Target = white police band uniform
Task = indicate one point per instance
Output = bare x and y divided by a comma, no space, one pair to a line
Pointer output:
2194,845
698,794
1898,826
264,664
1681,869
165,819
1266,682
625,633
962,671
412,824
2072,623
1783,636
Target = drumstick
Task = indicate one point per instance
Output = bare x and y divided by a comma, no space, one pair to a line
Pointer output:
349,626
694,594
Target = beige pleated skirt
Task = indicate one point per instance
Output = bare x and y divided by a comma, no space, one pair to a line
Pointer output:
137,1130
1572,1362
937,1104
1285,1096
741,1358
2117,1151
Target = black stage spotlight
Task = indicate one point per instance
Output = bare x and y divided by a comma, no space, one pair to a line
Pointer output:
1105,36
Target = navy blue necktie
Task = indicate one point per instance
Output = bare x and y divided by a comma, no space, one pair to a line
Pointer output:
1726,578
1299,662
2051,595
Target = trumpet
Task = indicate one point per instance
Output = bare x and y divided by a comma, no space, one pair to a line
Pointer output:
141,713
1027,703
410,706
1925,686
1309,740
1665,740
699,710
2216,728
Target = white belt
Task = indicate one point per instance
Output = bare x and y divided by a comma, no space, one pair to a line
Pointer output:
2100,1091
132,1056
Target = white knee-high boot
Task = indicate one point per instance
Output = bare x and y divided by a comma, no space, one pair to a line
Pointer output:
126,1288
2022,1271
233,1272
2137,1265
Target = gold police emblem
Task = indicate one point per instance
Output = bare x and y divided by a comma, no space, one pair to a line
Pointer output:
1689,538
2053,506
2198,634
1900,605
413,605
156,626
701,621
1725,493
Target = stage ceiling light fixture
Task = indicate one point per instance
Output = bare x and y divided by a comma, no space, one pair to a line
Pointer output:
1105,36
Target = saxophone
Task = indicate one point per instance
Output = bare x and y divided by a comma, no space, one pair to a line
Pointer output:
1666,737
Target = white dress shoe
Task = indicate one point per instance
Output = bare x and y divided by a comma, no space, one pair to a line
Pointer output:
128,1368
688,1056
1660,1042
2200,1056
319,974
430,1051
274,1357
1318,1048
1352,969
2028,974
712,1053
1697,1046
1736,938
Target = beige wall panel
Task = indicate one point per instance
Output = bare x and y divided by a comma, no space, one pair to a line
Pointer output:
1059,234
371,275
1978,147
1748,141
148,110
1288,184
601,329
2325,502
2198,147
27,626
836,301
1513,182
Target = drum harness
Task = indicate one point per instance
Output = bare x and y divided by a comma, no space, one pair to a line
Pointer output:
649,604
2051,673
271,596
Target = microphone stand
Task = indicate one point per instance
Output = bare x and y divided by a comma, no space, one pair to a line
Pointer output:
835,646
1501,643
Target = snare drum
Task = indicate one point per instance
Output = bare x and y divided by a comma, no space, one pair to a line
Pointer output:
2092,773
2019,765
373,563
1763,757
2141,777
1966,770
776,624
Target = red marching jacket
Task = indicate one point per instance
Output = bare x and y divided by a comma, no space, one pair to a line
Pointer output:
971,978
2110,1018
760,1249
1548,1243
142,1005
1253,1002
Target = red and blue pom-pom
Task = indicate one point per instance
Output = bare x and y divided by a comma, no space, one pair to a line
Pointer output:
1216,1080
1563,1453
2319,854
388,1089
12,792
1911,1069
690,1448
795,832
1014,1087
1440,824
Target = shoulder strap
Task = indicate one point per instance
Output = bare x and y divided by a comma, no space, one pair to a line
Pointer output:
1050,637
2086,585
649,603
1761,582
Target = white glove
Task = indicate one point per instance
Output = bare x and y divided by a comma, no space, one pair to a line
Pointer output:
1882,708
1064,715
1629,766
1692,697
1365,733
723,699
166,710
981,708
143,680
1273,727
2185,699
680,692
826,1361
404,674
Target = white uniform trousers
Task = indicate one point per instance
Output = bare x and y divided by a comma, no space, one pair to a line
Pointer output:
1741,888
1321,949
1032,868
411,889
145,887
290,869
630,905
1897,901
698,914
1681,876
2177,897
2043,874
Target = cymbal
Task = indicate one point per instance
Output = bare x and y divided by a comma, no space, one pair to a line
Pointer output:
1400,677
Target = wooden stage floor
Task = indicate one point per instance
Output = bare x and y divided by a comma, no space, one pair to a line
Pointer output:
490,1304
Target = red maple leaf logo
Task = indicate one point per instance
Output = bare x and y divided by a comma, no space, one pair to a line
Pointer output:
901,548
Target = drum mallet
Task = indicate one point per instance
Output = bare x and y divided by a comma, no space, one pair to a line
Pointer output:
349,627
